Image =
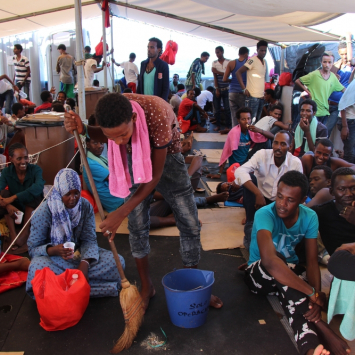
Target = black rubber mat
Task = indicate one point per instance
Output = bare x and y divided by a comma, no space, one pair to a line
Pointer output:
234,329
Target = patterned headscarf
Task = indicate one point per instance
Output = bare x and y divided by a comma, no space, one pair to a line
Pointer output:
64,220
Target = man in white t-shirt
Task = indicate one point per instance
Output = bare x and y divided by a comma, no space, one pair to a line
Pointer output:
255,68
221,93
7,88
91,67
130,72
204,97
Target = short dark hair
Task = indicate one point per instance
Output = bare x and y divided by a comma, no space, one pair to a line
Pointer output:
341,172
276,107
220,48
327,54
45,95
19,47
270,92
309,102
96,82
342,45
112,110
328,172
62,92
261,43
92,120
71,102
62,46
210,88
205,54
127,91
197,91
132,55
176,75
181,86
290,136
243,50
88,48
16,108
326,142
57,107
243,110
294,178
219,187
157,41
14,147
187,92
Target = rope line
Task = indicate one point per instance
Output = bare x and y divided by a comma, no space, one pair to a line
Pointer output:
34,212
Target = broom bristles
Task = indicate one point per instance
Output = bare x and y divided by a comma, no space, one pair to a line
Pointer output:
133,312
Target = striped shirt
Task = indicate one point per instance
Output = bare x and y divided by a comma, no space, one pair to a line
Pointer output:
21,68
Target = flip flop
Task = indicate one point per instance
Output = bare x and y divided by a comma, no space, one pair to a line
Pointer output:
200,189
199,153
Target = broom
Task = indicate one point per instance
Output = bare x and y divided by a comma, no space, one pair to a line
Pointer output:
130,298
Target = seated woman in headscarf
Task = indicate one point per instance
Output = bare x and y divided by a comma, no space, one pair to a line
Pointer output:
67,217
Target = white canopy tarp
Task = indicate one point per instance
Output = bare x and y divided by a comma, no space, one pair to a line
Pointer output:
240,22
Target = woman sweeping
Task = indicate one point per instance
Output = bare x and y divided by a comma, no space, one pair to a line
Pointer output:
67,217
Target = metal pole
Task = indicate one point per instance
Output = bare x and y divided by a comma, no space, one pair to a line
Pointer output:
80,59
349,46
104,47
112,65
282,60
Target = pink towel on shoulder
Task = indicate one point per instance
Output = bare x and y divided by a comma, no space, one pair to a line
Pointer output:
120,180
232,142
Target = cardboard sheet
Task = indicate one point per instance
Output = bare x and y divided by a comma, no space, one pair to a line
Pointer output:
212,155
210,137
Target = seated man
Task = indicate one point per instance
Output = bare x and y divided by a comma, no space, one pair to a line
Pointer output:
24,194
57,106
320,178
67,217
71,103
61,97
273,121
47,99
269,101
337,217
278,229
181,90
239,141
189,110
309,130
175,101
260,188
100,173
323,156
18,111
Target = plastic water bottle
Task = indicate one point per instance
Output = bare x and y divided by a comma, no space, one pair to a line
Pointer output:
74,278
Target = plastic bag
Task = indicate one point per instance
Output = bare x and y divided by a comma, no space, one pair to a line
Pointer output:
60,305
99,49
184,125
285,79
169,54
87,194
231,170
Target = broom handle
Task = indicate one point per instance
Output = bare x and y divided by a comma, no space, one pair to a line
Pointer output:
98,202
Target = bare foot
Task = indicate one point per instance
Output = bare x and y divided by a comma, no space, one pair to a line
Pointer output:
216,302
319,350
335,344
243,267
223,196
217,129
16,265
147,294
244,220
224,131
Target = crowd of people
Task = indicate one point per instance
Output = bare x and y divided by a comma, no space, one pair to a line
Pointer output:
299,198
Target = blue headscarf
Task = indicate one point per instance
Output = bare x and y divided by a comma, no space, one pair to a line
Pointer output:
64,220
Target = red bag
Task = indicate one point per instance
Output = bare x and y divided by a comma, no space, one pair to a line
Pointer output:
60,305
99,49
184,125
12,279
169,54
231,170
87,194
285,79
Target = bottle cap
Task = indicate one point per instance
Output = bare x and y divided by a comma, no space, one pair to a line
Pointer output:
75,276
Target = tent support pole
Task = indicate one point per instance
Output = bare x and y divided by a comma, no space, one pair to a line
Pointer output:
104,47
112,65
349,45
282,60
80,58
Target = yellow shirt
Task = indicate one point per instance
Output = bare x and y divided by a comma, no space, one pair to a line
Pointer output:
256,77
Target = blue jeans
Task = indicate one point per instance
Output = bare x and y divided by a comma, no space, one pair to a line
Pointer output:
332,118
224,95
236,101
256,106
323,119
349,144
25,86
175,186
194,116
8,97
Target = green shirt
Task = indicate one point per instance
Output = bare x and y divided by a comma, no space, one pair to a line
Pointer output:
149,82
32,186
88,55
321,89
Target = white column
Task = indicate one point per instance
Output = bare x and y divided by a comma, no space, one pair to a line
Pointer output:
104,47
112,65
80,57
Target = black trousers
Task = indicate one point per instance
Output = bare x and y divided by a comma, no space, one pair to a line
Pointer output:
342,265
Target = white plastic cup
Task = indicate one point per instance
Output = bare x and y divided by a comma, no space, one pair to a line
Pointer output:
22,94
71,246
19,216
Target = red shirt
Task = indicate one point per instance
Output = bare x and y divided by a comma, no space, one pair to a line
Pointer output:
44,107
185,107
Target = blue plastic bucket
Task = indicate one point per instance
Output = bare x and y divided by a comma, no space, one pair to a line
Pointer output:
188,294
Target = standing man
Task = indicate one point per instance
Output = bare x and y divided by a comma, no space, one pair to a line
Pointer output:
174,84
343,69
7,93
22,77
66,67
193,77
91,67
154,73
221,93
130,72
236,94
320,84
255,68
